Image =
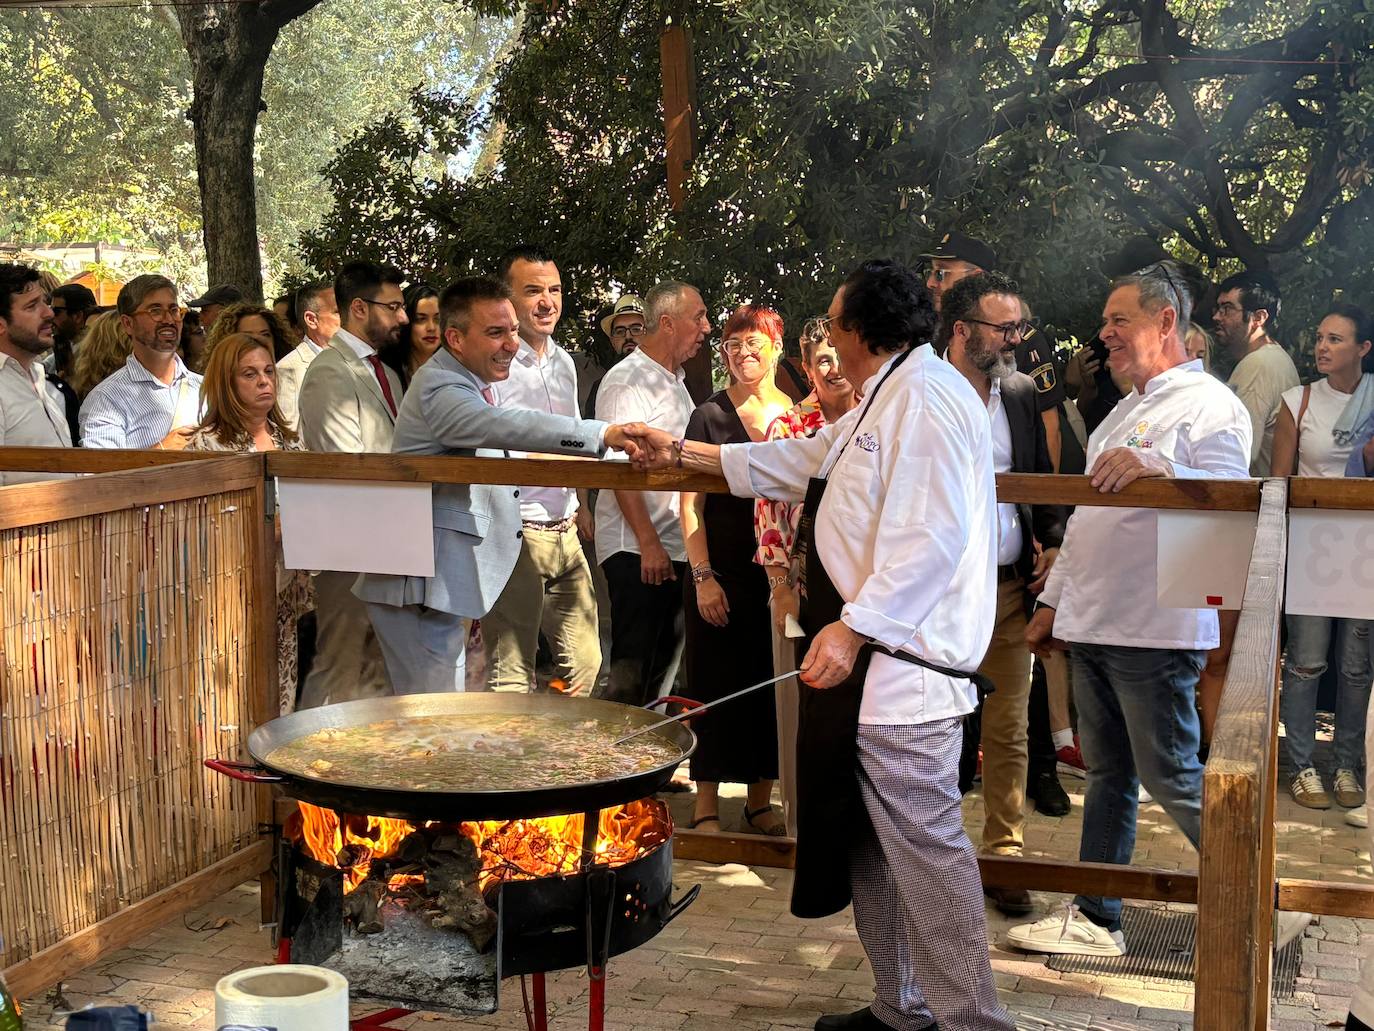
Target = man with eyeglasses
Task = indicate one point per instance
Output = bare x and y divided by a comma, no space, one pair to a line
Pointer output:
348,402
638,533
1245,316
31,412
623,327
154,400
957,257
980,329
1135,662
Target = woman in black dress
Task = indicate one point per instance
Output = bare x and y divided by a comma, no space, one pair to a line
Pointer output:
728,628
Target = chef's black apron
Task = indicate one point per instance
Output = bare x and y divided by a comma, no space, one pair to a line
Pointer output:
830,809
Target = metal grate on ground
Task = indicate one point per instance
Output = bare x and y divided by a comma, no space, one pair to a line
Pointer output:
1160,945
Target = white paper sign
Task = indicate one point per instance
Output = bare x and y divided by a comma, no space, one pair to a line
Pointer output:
1330,564
1204,558
357,527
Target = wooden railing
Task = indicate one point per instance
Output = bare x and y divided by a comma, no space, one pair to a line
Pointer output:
1235,888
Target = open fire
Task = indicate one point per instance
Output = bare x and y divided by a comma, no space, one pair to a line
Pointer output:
504,850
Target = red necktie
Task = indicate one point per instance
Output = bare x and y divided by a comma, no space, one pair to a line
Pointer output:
488,396
381,378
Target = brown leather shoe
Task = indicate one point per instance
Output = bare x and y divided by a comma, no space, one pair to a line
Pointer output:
1010,901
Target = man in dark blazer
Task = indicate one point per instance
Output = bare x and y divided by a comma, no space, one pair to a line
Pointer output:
981,327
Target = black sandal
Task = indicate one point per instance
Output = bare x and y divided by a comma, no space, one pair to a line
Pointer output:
779,831
703,819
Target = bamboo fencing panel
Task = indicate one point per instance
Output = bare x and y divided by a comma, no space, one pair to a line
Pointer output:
127,643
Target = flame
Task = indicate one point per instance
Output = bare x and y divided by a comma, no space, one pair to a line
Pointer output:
510,849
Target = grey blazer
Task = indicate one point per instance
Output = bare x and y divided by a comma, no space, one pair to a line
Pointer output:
477,534
341,405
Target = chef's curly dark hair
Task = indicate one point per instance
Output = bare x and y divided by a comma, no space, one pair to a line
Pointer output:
888,306
961,301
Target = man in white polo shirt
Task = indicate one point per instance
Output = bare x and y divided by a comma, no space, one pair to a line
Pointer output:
638,534
1135,663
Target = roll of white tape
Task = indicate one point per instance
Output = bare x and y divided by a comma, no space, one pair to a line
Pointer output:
288,997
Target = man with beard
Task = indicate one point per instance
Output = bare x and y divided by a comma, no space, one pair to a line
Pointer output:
638,533
154,400
348,402
980,330
31,415
1246,312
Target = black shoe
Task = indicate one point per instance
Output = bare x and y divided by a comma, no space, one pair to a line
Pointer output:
859,1020
1048,794
1010,901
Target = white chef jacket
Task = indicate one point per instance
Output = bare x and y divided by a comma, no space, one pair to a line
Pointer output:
907,529
542,383
1103,587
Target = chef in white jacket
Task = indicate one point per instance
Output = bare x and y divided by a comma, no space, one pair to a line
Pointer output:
899,537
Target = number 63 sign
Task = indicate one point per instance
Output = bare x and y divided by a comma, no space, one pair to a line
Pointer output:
1330,564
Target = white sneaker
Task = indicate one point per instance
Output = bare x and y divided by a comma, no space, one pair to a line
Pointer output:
1070,934
1145,797
1357,817
1288,926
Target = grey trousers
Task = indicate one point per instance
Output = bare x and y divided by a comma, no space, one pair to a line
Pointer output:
424,648
918,899
348,663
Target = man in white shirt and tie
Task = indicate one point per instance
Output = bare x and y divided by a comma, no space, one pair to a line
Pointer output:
348,403
31,412
319,315
1135,662
154,400
551,587
900,536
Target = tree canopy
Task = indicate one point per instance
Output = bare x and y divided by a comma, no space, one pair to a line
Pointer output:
829,132
95,142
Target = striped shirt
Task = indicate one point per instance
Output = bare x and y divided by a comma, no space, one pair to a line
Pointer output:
132,408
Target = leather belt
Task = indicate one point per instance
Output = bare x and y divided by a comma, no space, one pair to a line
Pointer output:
550,525
1007,572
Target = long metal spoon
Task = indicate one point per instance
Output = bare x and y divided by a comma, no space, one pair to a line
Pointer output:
689,713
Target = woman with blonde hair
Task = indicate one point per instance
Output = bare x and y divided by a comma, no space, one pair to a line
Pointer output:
104,349
241,414
253,319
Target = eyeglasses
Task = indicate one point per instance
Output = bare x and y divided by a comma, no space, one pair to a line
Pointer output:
391,306
1227,308
734,348
634,329
1011,331
158,312
1162,269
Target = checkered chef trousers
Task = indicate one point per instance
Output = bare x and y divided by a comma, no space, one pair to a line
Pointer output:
918,898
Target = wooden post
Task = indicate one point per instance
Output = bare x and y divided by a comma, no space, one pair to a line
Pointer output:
1234,947
679,105
263,558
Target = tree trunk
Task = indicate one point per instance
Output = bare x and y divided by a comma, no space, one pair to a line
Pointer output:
229,44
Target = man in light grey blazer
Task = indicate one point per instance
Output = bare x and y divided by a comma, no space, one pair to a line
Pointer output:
477,530
319,314
348,402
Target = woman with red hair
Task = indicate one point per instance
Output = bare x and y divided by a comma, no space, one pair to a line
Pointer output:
725,612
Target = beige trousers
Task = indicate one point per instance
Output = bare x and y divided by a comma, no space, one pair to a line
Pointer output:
1008,665
550,589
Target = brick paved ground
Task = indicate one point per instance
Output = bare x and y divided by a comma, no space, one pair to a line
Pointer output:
736,959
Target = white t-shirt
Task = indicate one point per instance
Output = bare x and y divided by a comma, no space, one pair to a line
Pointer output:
638,389
1318,452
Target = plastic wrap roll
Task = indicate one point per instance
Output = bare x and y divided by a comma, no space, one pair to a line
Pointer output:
288,997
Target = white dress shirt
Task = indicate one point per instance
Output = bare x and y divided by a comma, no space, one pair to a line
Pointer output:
132,408
32,414
639,389
907,529
1103,586
1008,516
542,383
356,344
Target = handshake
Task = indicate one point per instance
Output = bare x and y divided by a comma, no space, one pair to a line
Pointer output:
647,448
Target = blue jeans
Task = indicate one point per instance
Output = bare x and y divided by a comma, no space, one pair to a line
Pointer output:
1138,723
1304,662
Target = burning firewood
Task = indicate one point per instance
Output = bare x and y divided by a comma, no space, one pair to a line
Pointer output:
363,905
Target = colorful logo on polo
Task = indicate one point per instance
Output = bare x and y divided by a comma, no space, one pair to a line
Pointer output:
1137,439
